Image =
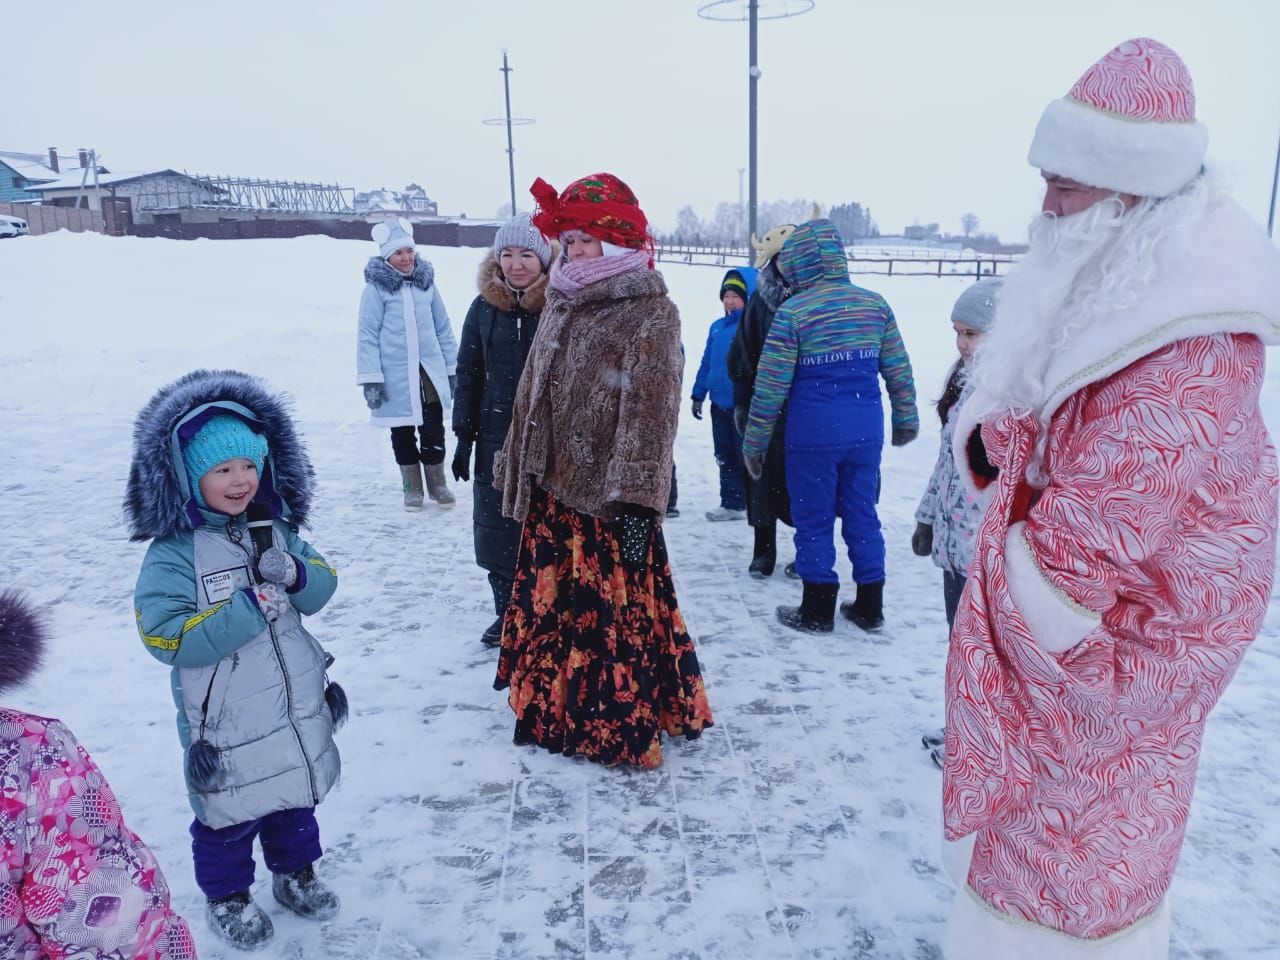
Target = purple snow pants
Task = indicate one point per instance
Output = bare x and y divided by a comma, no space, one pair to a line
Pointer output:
224,858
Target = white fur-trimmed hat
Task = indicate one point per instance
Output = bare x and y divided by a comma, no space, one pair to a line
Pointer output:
393,235
1129,124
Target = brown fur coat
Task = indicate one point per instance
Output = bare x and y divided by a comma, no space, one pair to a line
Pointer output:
596,410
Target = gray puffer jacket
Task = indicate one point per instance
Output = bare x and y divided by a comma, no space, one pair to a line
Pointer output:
253,690
947,505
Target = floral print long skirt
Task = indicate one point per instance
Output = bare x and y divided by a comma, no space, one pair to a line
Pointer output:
597,658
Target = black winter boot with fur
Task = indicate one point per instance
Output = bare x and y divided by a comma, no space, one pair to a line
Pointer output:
817,610
867,609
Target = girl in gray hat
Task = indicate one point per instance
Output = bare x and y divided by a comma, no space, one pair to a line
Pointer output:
948,516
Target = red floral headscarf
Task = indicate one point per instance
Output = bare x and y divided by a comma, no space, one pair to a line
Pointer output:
600,205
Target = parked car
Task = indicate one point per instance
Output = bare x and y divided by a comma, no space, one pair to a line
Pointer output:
12,227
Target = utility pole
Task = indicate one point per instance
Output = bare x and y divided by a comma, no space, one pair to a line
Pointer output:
1275,183
509,122
738,225
97,187
511,150
753,73
749,10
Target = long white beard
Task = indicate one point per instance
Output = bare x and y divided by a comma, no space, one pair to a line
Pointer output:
1079,271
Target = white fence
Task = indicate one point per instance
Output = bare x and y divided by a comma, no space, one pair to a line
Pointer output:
891,262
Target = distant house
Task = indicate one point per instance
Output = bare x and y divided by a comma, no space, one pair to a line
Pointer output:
18,171
412,199
150,191
415,198
917,232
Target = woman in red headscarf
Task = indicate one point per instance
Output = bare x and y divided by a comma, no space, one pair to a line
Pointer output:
594,649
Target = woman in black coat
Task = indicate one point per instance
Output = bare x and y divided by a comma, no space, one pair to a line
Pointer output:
494,345
767,498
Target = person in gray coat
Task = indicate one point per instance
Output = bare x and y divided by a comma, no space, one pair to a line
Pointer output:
219,483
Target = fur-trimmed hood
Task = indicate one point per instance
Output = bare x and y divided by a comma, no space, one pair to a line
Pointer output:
495,292
158,501
23,635
386,277
772,288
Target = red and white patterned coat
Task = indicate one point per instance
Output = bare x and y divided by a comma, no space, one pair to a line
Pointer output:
77,884
1105,614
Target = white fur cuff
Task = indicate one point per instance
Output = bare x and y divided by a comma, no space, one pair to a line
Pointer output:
1101,149
1057,623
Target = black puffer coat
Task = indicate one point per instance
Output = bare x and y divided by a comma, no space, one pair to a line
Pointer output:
767,498
494,345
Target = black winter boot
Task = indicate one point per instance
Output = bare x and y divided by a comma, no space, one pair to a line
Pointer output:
239,921
766,552
304,894
501,587
867,609
817,610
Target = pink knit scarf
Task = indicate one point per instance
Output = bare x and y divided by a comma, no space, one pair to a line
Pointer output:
571,277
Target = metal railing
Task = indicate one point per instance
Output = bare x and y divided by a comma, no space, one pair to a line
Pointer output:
891,263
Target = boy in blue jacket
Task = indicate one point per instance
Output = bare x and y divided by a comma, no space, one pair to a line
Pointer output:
221,603
713,377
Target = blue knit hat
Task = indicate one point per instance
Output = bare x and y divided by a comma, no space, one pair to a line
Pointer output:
223,437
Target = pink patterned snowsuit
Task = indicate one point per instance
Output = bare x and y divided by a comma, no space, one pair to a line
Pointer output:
77,883
1105,614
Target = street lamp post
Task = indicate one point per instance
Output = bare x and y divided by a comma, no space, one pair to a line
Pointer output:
509,121
750,10
1275,184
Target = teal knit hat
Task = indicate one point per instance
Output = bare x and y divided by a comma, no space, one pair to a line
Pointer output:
223,437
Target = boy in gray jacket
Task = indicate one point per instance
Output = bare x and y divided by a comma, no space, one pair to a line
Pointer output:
221,602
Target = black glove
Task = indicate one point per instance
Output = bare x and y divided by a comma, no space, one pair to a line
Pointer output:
453,384
634,526
697,409
740,417
978,461
922,540
904,435
461,465
754,463
375,395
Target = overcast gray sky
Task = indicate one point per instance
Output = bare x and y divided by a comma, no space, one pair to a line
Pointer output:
921,109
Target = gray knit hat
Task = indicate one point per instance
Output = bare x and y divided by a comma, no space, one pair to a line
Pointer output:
520,232
976,307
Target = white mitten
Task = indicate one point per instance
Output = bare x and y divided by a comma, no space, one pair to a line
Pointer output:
272,600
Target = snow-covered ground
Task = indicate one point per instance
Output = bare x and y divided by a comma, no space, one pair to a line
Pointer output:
804,825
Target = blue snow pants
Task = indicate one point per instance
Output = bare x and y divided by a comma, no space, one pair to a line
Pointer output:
728,447
829,483
224,858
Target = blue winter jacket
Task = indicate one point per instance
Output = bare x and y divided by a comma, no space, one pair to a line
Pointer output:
713,372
